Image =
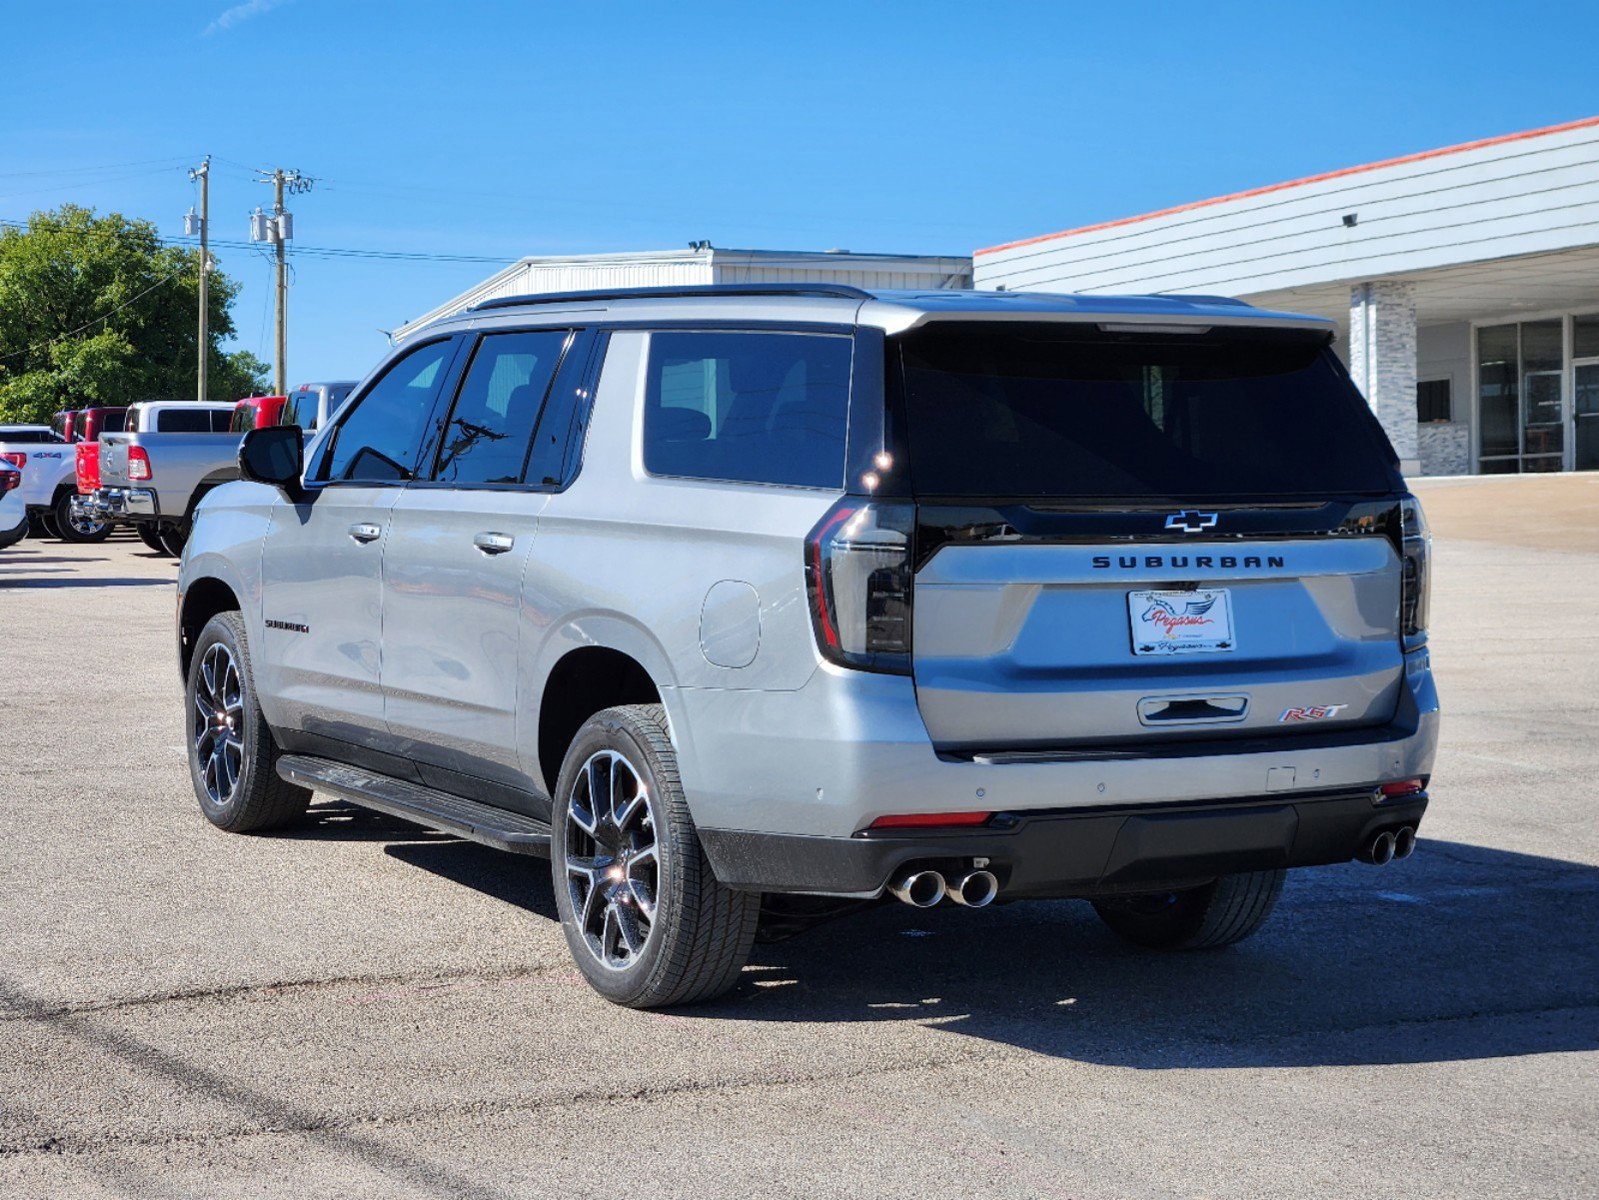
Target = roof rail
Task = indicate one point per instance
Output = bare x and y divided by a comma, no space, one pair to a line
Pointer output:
840,291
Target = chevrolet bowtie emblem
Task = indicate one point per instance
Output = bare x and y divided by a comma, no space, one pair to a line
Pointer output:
1191,522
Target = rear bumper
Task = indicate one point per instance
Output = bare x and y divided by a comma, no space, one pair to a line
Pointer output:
120,504
1085,852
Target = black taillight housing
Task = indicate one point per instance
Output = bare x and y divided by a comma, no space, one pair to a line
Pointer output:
1415,552
858,570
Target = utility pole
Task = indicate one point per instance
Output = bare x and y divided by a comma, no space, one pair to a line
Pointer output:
201,223
279,229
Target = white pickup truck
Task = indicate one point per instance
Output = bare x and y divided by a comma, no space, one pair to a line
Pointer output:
154,473
49,480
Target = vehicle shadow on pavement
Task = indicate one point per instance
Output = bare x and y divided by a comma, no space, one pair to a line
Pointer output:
1462,952
74,581
517,879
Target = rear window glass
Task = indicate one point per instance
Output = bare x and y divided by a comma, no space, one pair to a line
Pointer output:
243,420
748,407
180,420
1045,412
30,436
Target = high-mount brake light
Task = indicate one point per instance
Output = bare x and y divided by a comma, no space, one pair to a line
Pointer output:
17,458
138,463
953,820
1416,582
858,573
1403,787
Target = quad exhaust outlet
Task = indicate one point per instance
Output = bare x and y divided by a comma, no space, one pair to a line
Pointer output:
925,888
919,889
1389,845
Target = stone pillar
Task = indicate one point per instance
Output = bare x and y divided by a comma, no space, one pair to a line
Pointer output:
1382,360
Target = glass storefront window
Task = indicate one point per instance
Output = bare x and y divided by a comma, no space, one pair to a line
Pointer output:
1543,360
1499,404
1585,336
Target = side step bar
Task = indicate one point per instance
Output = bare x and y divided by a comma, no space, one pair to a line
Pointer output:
465,818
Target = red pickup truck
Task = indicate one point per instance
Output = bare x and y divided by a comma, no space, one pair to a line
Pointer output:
257,412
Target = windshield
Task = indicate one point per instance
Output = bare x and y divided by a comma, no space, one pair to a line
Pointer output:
1071,412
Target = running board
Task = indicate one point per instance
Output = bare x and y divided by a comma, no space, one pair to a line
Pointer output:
447,813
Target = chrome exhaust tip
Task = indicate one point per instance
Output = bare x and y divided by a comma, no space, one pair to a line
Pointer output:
977,889
1382,849
1404,843
919,889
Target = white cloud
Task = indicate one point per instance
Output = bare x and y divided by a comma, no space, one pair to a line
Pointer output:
240,13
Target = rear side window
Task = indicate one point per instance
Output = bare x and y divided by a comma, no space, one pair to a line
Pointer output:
300,409
490,429
380,440
243,420
1045,412
748,407
112,422
183,420
30,437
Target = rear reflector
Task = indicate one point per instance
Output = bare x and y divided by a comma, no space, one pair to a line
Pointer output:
1403,787
9,480
930,820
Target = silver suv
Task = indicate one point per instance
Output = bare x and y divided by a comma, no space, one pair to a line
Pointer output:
750,605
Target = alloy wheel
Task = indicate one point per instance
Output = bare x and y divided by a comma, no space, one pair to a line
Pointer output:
612,860
218,723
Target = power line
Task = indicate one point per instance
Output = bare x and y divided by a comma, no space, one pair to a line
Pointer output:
314,251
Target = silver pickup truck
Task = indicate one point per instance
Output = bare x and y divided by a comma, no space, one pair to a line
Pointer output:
154,479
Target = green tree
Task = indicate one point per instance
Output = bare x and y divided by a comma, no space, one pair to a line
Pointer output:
96,310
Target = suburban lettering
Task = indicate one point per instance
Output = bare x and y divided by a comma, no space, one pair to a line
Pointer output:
1102,560
1202,560
1273,561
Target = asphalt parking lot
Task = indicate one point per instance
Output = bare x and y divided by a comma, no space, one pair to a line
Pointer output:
365,1009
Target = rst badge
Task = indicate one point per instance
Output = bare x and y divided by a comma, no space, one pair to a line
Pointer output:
1310,712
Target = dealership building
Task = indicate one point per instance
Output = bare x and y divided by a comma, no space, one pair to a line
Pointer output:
1464,283
703,263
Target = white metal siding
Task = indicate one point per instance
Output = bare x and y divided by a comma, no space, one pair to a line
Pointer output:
1531,195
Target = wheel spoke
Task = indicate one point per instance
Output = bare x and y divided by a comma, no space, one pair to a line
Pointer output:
208,676
627,928
643,898
631,808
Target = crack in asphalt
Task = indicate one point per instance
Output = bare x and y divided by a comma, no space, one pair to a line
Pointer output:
444,978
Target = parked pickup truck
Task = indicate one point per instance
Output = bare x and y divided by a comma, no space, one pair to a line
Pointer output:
256,412
311,404
48,481
152,475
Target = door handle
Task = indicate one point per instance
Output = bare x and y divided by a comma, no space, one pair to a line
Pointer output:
363,532
494,543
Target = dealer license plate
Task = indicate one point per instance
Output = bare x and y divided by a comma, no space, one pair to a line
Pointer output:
1195,622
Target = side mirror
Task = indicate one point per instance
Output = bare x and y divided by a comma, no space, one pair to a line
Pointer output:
275,455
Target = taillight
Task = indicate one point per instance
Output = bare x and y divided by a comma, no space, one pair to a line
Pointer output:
9,480
858,570
138,463
16,458
1416,585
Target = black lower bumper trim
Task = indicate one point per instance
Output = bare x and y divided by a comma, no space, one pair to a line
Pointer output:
1063,853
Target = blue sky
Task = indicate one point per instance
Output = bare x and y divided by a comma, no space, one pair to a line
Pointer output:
504,129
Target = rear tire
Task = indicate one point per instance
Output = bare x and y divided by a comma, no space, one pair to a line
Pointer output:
47,523
1204,918
151,537
74,530
232,754
173,538
645,918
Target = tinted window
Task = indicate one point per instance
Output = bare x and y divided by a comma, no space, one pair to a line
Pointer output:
1038,411
748,407
243,420
380,440
186,420
112,422
30,436
300,409
487,436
